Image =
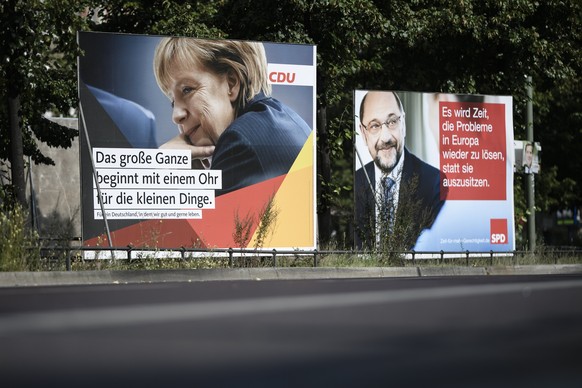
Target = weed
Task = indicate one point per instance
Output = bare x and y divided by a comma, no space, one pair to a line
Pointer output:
242,229
19,247
388,237
267,223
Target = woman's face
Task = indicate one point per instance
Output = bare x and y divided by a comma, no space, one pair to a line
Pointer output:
202,103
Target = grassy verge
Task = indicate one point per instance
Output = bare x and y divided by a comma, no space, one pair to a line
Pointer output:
22,250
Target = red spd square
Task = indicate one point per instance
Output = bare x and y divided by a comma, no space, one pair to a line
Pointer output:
499,231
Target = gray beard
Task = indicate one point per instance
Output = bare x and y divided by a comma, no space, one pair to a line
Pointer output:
387,169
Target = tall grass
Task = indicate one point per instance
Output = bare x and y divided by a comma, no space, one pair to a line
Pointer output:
19,249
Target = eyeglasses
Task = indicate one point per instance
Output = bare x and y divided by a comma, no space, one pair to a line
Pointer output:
376,126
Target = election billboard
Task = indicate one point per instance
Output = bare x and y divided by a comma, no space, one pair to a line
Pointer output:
458,152
196,143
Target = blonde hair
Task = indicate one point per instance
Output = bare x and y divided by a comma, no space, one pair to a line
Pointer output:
246,60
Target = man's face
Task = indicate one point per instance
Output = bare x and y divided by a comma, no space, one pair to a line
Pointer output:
385,144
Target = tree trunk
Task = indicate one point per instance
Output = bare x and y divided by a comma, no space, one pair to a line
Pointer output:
324,210
16,151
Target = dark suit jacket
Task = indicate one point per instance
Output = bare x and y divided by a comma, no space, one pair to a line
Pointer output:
261,143
427,193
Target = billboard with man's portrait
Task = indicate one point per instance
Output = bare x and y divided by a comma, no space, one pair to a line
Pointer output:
527,157
196,143
435,169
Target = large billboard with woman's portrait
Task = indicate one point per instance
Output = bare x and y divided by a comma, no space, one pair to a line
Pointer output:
433,172
196,143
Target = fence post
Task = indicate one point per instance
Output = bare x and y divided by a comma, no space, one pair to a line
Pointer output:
230,257
183,253
442,256
413,257
129,248
491,258
68,260
274,258
467,257
315,258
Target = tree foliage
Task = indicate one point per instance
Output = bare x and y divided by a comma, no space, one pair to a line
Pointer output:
466,46
161,17
38,56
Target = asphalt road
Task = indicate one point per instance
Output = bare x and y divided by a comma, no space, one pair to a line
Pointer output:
490,331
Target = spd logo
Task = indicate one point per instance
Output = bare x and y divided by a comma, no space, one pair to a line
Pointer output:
499,231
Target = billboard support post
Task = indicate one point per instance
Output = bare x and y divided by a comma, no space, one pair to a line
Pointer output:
94,170
530,178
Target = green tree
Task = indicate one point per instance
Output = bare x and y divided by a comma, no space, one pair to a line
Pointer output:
37,74
163,17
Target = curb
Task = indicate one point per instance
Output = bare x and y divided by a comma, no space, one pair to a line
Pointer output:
452,271
60,278
549,269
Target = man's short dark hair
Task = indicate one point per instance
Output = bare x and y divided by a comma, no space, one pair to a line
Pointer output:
364,101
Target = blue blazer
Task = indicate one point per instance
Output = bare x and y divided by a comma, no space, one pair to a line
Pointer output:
261,143
427,193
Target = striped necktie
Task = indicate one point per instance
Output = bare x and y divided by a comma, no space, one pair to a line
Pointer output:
387,204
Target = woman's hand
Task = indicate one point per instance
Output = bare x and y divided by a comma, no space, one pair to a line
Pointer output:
200,154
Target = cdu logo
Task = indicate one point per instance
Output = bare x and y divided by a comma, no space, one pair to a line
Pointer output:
498,231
